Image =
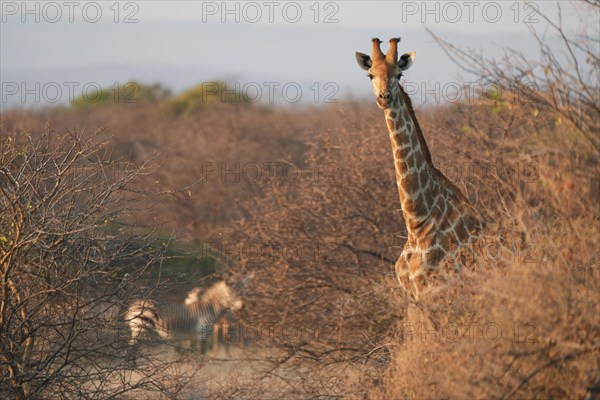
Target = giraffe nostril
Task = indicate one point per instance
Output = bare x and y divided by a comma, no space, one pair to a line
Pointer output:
385,95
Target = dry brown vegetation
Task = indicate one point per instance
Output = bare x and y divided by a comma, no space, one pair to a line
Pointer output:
311,243
324,313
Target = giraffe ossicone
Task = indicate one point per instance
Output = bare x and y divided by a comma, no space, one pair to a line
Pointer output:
442,226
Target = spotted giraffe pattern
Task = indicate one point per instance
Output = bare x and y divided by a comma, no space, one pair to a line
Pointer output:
442,226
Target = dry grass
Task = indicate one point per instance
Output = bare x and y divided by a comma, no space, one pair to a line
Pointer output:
523,328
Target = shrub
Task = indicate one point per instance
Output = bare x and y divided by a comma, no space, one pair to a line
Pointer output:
131,92
202,95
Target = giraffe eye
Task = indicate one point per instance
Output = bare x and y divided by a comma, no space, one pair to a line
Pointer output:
370,76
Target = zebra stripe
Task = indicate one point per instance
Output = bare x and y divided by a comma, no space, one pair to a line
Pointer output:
223,329
180,321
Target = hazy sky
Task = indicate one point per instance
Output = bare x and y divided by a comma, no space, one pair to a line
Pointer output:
264,46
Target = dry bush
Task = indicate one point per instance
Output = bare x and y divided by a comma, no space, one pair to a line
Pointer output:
187,148
562,78
526,331
69,265
319,253
314,250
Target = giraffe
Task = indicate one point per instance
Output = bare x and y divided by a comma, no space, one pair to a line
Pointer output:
442,226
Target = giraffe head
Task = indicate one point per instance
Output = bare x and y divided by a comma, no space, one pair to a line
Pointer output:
385,70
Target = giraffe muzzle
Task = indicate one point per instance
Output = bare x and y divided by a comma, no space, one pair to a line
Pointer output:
383,100
385,95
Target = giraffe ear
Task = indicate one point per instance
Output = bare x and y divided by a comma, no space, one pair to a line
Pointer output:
406,60
364,61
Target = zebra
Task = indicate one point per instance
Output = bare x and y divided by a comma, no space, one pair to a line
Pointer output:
191,320
224,329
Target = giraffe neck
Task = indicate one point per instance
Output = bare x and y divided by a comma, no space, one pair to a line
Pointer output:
416,176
